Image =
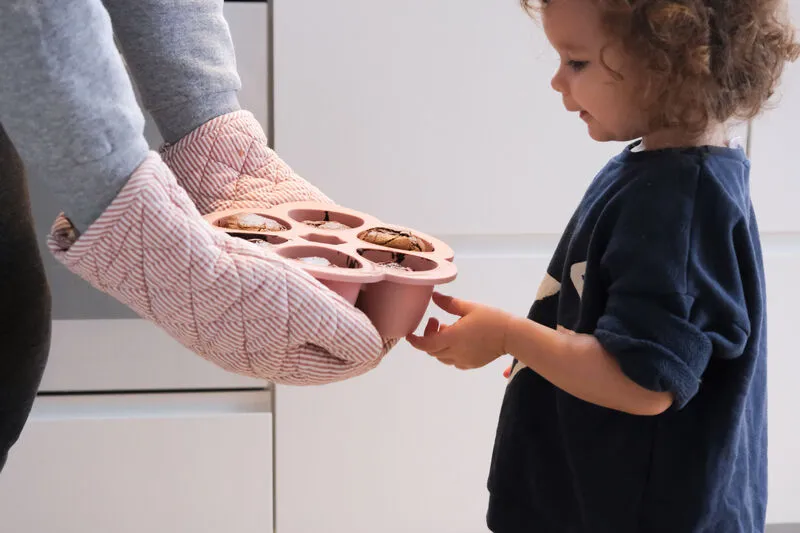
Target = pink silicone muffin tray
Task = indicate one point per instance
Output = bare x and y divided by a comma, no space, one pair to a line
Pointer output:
392,286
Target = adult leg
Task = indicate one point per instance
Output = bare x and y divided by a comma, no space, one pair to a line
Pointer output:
24,302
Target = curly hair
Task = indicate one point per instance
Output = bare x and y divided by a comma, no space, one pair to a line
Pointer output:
705,60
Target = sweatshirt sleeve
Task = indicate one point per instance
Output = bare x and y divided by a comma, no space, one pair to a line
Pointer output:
675,296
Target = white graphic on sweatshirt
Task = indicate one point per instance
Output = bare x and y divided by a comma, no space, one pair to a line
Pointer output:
519,365
550,286
577,274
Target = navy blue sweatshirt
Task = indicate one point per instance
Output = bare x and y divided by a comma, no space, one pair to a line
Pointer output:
662,263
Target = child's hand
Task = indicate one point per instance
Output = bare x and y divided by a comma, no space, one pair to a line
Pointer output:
475,340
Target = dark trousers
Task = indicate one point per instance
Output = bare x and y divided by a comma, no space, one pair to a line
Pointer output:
24,302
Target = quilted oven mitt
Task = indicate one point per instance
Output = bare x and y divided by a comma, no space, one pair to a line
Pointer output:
236,304
227,164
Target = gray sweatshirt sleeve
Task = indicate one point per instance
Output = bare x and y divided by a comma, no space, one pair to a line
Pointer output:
181,57
66,102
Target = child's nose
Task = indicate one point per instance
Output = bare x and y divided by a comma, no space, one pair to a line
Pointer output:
557,82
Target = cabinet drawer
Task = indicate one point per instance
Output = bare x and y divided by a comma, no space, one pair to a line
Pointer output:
175,463
128,355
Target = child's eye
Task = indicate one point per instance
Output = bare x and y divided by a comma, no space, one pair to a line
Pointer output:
577,66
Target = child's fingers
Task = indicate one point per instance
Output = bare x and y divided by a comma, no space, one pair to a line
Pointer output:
419,342
413,340
454,306
432,344
437,337
432,327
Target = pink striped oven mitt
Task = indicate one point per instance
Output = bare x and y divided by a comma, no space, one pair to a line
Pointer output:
226,163
236,304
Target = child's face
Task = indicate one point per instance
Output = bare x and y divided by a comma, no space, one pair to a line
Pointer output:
610,106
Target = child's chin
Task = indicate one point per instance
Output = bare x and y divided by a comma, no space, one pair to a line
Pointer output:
604,136
600,135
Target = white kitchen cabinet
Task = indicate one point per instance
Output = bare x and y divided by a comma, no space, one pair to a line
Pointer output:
775,183
193,463
128,355
436,115
782,266
776,174
406,447
439,116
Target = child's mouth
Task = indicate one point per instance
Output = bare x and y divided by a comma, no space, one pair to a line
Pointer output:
584,115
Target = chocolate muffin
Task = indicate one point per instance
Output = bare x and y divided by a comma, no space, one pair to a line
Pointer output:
251,222
395,266
392,238
261,242
327,224
255,239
